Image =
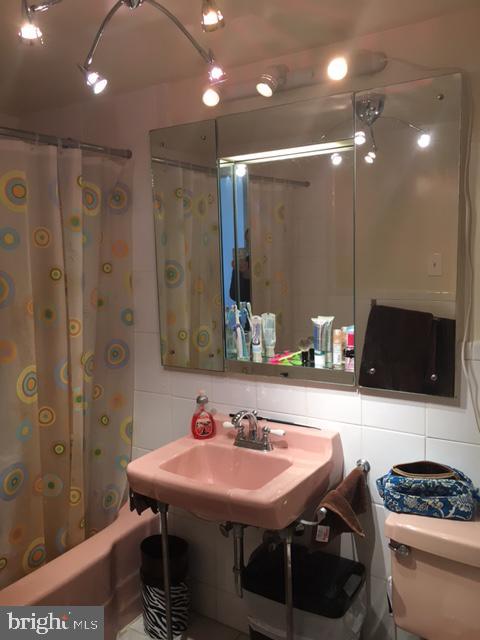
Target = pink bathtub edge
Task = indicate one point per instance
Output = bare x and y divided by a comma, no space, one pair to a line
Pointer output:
103,571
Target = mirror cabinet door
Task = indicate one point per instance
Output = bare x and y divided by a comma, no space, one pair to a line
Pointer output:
187,240
286,203
407,231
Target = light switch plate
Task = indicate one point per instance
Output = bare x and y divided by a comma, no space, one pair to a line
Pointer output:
435,264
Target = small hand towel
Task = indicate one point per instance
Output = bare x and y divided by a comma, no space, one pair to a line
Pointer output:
344,503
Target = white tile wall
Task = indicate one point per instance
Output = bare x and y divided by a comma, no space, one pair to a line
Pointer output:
383,448
398,415
385,431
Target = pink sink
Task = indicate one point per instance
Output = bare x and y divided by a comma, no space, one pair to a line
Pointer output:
221,482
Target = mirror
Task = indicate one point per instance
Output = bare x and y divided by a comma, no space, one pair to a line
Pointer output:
407,229
286,206
188,245
303,188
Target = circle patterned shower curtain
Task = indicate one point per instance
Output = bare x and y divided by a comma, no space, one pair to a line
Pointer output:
66,369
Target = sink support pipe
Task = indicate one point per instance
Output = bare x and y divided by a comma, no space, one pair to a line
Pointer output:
238,557
163,508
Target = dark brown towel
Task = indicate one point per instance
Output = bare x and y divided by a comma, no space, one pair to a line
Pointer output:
407,350
344,503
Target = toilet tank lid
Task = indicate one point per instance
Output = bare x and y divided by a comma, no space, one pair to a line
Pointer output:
452,539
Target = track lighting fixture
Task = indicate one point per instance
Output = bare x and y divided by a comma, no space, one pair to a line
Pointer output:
216,74
212,18
356,64
271,80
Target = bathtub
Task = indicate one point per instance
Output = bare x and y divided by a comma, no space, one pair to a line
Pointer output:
103,570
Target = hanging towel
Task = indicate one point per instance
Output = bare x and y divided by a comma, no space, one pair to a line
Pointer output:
344,503
408,350
429,489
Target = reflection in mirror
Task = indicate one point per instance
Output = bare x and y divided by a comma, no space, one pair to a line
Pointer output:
407,229
187,245
287,236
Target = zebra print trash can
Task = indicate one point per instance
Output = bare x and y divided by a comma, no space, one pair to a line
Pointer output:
154,618
153,595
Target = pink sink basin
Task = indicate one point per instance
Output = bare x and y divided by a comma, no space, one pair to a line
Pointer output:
221,482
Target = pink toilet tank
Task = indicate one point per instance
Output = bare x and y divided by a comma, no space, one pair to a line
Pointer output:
436,586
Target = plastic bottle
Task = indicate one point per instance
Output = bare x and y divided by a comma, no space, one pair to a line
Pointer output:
338,362
203,424
350,352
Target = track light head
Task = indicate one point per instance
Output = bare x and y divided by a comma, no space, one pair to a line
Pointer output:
94,80
356,64
211,96
216,72
29,33
271,80
212,17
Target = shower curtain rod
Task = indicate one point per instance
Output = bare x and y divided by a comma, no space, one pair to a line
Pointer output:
252,176
67,143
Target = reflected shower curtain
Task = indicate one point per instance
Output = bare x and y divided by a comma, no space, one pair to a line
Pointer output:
66,373
186,222
270,208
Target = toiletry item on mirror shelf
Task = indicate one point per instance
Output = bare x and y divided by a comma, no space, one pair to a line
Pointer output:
322,341
338,361
269,333
350,349
256,338
304,346
242,353
230,344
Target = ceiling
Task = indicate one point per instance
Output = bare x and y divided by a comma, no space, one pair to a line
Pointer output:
142,48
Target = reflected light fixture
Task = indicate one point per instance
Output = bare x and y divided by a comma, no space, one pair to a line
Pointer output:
424,140
360,138
370,157
241,170
271,80
357,64
212,17
336,159
216,74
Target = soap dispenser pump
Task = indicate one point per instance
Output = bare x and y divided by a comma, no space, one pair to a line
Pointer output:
203,424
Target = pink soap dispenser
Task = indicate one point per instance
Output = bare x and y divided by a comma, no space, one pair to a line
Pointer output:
203,424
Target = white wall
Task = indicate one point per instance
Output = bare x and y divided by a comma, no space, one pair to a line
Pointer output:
383,430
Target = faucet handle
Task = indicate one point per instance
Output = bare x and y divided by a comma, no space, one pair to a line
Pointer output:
278,432
274,432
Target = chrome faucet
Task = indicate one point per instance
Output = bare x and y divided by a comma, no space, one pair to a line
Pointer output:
250,440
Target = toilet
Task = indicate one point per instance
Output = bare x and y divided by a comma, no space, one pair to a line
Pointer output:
436,576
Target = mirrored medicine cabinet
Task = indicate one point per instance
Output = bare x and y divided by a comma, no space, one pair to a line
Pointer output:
316,240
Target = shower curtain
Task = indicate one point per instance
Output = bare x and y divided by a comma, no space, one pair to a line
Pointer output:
270,207
186,222
66,374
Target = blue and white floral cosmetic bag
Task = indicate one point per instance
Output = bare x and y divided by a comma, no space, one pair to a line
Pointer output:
429,489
